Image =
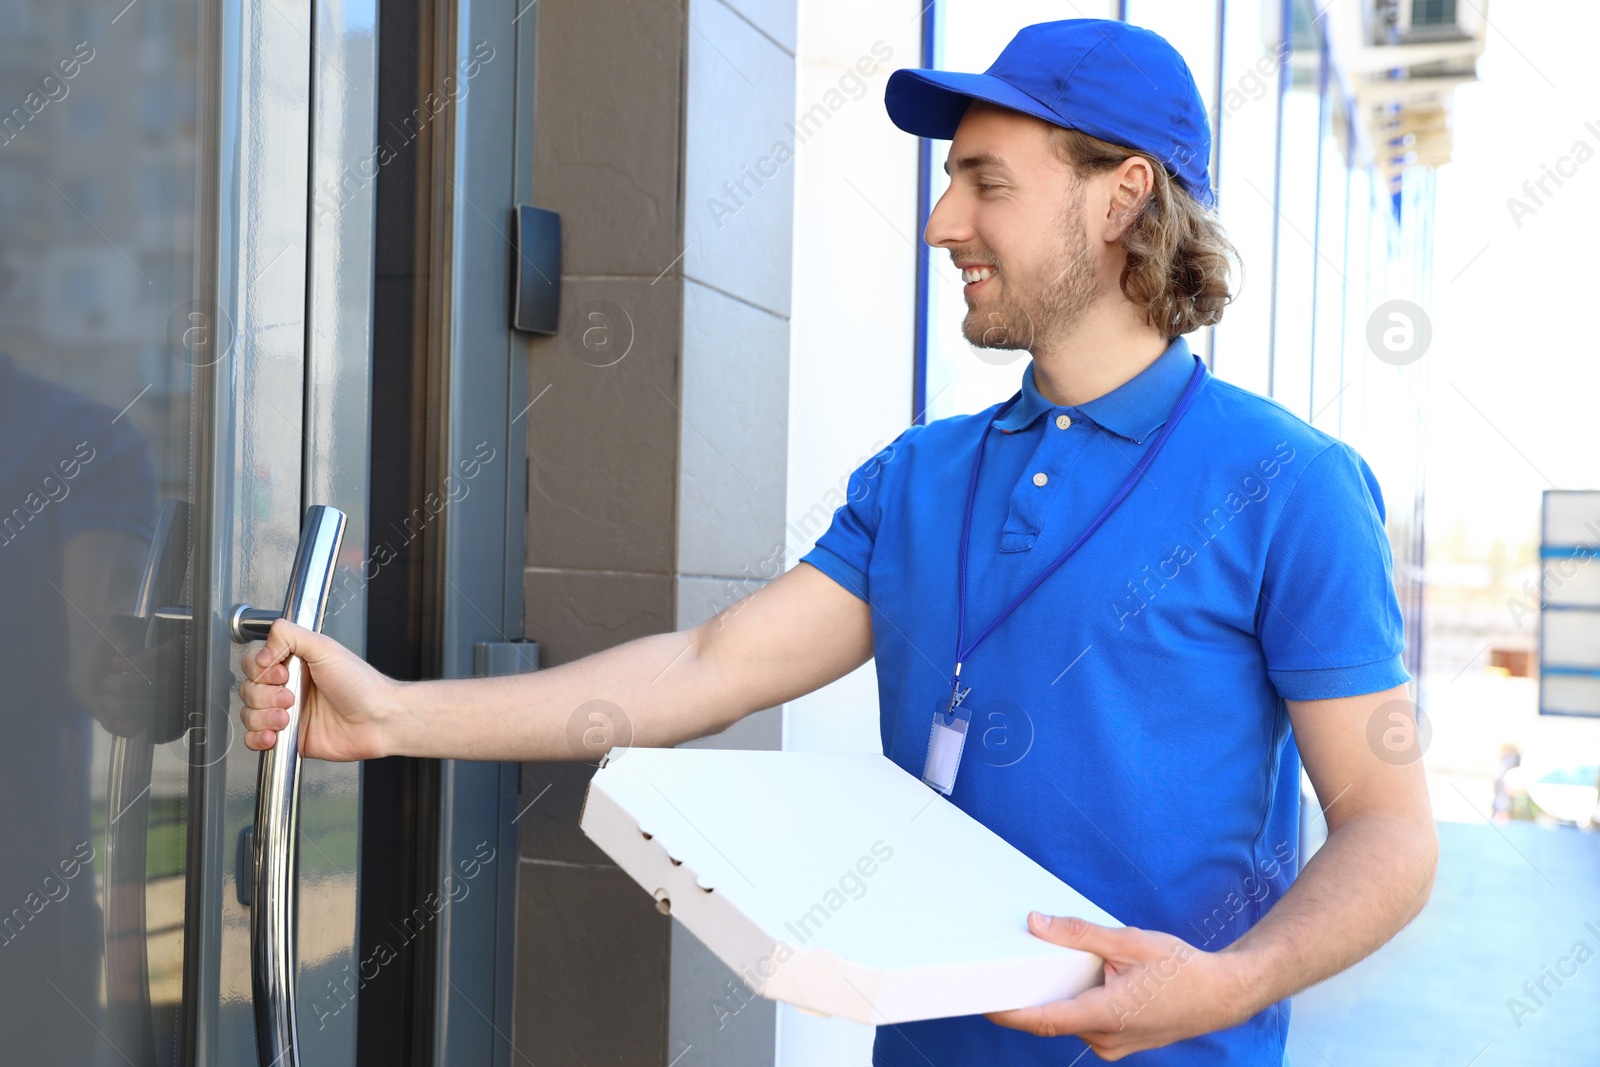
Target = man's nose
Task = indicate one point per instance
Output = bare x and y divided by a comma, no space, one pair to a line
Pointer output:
946,222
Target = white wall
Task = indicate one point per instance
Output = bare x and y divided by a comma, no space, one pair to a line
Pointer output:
850,349
853,299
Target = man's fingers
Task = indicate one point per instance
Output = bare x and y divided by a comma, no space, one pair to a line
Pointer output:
259,740
283,641
250,664
265,695
266,701
265,664
264,718
1070,931
1088,1012
274,673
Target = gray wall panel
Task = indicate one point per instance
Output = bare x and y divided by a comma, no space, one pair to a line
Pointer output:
657,444
738,187
609,132
734,437
603,435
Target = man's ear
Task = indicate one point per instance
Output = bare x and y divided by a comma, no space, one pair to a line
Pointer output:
1132,185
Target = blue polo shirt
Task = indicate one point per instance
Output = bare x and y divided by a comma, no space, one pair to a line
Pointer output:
1129,731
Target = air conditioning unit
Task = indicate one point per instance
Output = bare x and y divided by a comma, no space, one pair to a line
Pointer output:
1401,61
1418,37
1427,21
1411,22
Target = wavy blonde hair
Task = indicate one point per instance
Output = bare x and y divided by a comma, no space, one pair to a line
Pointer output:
1179,258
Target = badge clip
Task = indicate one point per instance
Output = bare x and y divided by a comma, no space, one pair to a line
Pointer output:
946,740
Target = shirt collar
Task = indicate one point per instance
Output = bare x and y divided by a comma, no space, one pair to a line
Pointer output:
1134,410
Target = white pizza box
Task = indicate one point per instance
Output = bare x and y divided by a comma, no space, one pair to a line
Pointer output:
837,882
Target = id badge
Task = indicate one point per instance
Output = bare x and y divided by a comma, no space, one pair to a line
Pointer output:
945,742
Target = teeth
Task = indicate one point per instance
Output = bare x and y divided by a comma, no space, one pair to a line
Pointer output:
976,274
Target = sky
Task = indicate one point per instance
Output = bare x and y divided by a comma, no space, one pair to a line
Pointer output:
1514,383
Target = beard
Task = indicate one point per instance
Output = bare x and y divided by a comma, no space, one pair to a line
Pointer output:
1030,310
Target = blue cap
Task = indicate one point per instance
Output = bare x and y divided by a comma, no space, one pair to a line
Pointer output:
1120,83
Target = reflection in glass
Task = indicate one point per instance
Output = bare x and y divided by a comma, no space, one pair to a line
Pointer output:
1246,125
1297,209
1191,27
1332,269
98,162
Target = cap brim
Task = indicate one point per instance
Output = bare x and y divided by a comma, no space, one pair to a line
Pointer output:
930,103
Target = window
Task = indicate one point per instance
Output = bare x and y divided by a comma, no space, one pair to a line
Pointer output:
1299,139
1433,13
1245,128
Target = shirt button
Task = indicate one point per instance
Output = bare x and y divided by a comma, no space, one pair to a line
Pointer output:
1062,422
1041,478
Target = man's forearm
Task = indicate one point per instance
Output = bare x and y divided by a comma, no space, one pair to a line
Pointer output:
656,688
799,632
1368,880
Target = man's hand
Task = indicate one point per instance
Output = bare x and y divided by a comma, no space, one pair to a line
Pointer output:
1370,878
343,700
1158,989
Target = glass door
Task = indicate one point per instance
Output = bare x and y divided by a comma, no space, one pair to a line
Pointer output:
183,368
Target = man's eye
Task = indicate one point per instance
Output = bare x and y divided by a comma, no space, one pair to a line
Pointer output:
984,187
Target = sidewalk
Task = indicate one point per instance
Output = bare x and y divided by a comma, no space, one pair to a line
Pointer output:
1510,905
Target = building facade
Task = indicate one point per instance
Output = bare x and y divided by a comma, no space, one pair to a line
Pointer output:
258,257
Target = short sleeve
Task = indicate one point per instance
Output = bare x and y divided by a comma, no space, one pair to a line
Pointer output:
1329,621
844,551
114,484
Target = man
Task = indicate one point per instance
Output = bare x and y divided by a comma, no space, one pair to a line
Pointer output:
1153,574
80,494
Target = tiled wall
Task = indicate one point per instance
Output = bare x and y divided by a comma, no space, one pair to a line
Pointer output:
657,459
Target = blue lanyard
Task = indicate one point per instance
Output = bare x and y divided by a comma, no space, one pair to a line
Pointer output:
964,649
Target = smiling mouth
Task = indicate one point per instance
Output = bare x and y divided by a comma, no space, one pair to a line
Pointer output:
975,277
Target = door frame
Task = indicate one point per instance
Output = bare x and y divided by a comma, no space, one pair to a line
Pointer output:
289,104
483,167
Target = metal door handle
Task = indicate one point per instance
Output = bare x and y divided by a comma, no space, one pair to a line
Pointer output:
246,624
128,785
272,912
